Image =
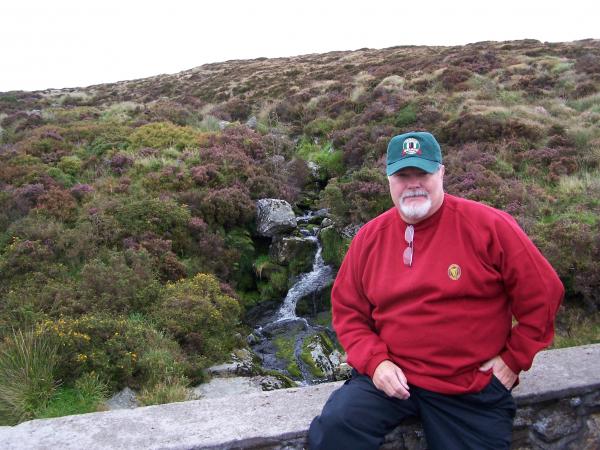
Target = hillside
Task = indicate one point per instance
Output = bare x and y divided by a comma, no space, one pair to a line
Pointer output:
128,241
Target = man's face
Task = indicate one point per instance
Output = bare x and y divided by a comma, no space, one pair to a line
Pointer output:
416,193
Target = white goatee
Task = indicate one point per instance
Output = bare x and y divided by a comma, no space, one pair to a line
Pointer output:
412,211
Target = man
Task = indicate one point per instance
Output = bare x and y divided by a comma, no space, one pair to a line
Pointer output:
423,305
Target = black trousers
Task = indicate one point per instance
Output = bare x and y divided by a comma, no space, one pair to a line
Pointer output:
358,416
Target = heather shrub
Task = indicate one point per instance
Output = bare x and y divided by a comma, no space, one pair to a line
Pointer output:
26,197
164,135
163,217
120,162
59,204
588,64
236,109
474,127
23,255
575,259
202,319
28,366
265,186
354,143
171,177
228,207
210,254
80,191
166,262
168,111
454,78
207,175
291,110
45,142
119,282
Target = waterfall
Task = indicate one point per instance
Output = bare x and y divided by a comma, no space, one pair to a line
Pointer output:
308,283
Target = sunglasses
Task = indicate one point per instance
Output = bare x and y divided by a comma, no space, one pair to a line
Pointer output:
409,236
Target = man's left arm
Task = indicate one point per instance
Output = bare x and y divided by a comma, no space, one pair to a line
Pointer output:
535,293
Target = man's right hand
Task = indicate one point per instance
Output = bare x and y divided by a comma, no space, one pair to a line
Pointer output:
389,378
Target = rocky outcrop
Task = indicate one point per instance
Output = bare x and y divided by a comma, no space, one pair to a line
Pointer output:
274,217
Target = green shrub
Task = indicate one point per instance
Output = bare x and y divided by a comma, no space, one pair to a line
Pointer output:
334,246
164,135
70,165
119,282
107,345
200,316
163,217
240,240
276,286
62,178
406,116
329,160
28,364
34,296
320,127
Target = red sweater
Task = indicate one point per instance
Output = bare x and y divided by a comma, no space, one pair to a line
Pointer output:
439,320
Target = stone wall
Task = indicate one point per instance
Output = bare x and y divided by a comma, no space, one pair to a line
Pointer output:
558,399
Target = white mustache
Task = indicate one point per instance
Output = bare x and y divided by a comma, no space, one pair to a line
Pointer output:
415,193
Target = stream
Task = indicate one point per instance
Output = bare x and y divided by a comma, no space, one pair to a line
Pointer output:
282,337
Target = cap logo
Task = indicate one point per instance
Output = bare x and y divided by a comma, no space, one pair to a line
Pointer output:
454,272
411,146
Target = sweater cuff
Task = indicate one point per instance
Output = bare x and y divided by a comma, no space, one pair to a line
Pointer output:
510,361
375,360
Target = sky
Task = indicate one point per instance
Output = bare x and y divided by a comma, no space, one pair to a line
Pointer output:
75,43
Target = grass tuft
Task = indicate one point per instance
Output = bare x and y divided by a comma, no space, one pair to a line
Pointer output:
27,368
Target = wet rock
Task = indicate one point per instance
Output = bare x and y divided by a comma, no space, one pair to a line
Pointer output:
321,356
274,217
298,252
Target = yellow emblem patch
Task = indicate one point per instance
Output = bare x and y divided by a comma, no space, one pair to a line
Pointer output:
454,272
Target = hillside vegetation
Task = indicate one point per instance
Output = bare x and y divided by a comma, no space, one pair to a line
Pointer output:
128,249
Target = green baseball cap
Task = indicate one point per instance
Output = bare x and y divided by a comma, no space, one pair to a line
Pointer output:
414,149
